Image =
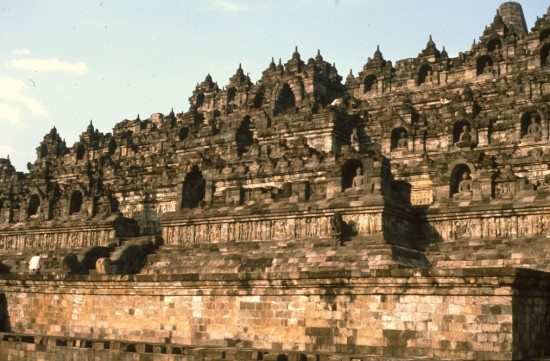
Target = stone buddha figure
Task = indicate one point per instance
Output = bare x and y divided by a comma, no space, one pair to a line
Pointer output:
534,128
487,69
403,142
429,77
464,187
359,179
465,136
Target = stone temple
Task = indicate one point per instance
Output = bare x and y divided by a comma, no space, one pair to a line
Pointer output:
399,213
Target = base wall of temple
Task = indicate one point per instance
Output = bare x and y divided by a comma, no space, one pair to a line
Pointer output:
463,314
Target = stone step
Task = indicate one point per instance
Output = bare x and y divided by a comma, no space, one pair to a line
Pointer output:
274,256
528,253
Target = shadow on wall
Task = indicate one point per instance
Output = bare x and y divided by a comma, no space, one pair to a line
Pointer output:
530,319
4,314
148,219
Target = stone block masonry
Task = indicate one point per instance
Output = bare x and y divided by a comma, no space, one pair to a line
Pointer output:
399,214
481,314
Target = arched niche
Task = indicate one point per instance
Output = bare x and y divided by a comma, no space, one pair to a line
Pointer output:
531,124
494,44
231,91
43,151
545,55
399,138
457,176
193,189
183,133
484,65
349,171
258,99
112,147
285,100
425,74
458,131
199,100
80,151
544,34
244,136
370,83
76,201
34,206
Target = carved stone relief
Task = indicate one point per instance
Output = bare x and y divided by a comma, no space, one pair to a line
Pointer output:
488,227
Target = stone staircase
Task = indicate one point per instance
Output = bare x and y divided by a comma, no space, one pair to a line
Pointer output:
310,256
282,258
18,260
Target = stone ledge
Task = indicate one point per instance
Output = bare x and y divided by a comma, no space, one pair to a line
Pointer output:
31,346
409,281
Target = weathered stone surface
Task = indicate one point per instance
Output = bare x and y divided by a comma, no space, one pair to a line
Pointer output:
209,234
446,314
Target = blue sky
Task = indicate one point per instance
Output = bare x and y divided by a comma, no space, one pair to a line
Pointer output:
66,62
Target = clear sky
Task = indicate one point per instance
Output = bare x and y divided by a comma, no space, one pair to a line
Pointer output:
66,62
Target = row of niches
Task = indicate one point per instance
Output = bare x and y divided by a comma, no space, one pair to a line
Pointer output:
75,205
486,67
287,92
463,182
466,183
531,127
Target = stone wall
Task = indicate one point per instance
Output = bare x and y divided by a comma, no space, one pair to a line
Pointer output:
479,224
469,314
389,224
66,235
264,228
55,238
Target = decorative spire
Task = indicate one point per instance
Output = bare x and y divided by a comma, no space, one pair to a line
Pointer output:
350,78
378,53
296,54
319,57
430,48
90,128
334,73
280,65
497,20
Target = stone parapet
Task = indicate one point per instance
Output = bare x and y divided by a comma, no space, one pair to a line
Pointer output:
66,235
